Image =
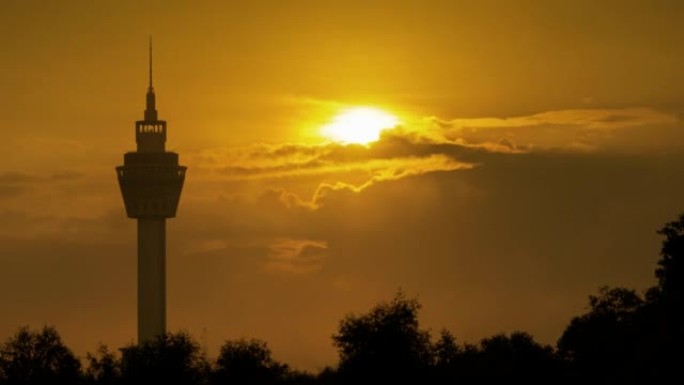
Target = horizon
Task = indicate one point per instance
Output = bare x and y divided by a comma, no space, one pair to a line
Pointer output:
500,162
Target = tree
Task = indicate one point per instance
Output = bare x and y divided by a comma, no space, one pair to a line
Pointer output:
517,358
104,368
600,344
626,339
247,362
661,320
448,357
38,357
670,271
170,358
446,350
385,345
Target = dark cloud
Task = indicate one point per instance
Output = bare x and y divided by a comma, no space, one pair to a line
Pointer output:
10,190
14,183
17,178
66,175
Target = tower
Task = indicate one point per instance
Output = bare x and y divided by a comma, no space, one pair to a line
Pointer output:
151,182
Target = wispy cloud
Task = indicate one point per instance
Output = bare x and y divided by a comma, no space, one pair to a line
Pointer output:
579,130
380,171
328,167
14,183
296,256
587,118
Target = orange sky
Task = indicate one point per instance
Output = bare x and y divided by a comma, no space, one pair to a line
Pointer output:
539,150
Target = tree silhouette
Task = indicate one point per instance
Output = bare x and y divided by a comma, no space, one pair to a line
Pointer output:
37,357
247,362
448,359
446,350
517,358
169,359
104,368
599,344
670,271
661,320
385,345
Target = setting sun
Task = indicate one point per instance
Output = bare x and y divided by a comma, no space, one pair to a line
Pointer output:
360,125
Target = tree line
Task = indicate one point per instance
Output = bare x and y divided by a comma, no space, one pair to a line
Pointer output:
624,337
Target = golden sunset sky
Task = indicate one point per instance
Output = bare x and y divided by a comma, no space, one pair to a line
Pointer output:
539,146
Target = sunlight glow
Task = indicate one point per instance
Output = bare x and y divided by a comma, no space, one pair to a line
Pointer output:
360,125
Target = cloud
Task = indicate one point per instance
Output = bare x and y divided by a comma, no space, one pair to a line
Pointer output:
13,183
281,160
16,178
308,175
379,171
7,190
13,177
397,169
23,224
323,169
586,118
296,256
272,253
566,130
428,145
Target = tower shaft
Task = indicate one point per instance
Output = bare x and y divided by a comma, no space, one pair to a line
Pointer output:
151,278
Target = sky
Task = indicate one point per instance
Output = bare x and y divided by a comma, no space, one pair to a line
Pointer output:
537,151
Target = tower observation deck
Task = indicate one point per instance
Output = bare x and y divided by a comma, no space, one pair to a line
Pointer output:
151,181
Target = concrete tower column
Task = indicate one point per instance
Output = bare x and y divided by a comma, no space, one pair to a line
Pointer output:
151,278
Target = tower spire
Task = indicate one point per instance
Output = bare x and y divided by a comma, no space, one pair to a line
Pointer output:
151,108
151,62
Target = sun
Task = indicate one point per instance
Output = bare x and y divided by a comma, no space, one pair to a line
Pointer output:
359,125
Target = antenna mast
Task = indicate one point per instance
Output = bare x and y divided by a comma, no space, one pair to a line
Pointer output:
150,62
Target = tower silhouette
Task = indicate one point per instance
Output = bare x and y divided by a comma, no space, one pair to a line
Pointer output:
151,182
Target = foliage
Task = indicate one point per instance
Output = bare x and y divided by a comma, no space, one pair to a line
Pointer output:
171,358
247,362
385,344
518,358
670,271
599,342
448,359
37,357
446,351
104,367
